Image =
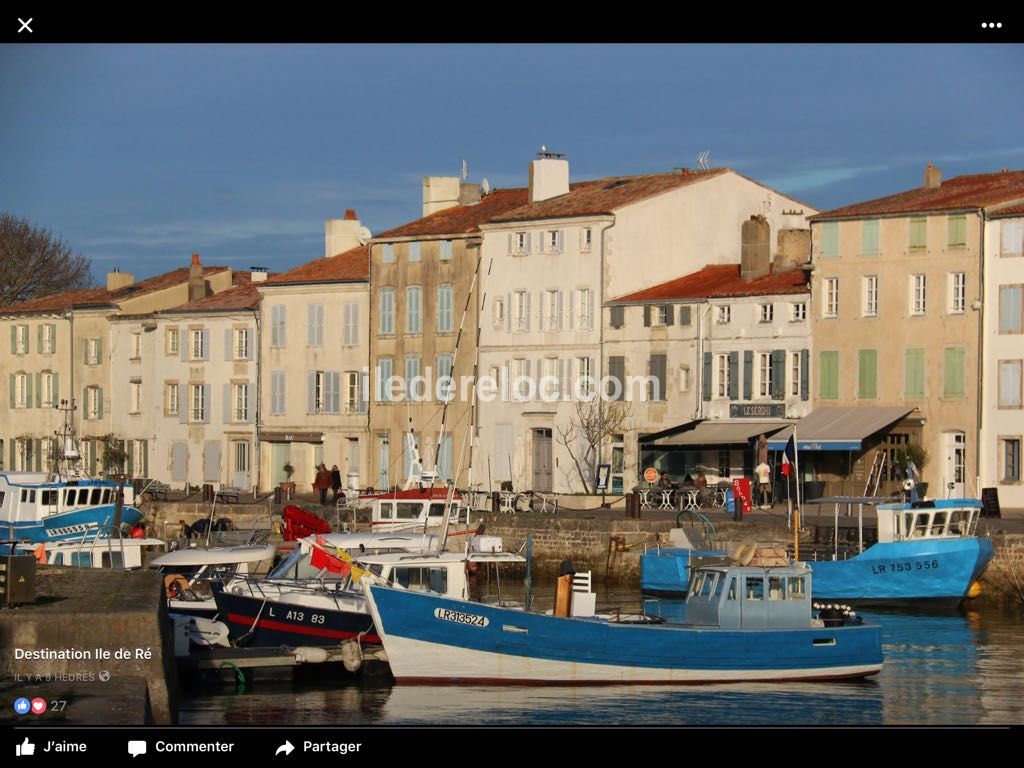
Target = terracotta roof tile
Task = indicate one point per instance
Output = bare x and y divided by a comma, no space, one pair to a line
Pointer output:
719,281
461,219
101,297
348,267
244,296
956,194
602,196
1013,210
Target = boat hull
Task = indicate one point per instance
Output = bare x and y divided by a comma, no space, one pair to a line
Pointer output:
284,623
432,639
71,525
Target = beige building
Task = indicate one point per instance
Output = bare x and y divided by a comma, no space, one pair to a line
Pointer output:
60,350
313,364
896,320
425,288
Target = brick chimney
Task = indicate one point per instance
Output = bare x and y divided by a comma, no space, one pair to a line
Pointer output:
549,176
118,279
342,235
932,177
196,283
755,248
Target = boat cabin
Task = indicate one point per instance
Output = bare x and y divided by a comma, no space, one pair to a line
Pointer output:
936,519
750,597
416,510
93,552
297,565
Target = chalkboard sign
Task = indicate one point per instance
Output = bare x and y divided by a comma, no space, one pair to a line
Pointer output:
990,500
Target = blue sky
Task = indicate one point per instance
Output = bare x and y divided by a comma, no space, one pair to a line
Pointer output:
140,155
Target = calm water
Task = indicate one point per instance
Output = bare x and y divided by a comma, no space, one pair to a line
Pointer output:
963,669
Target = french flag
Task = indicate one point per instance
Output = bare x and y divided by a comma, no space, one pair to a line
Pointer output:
789,456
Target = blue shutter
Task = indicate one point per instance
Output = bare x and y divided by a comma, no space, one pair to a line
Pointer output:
805,374
706,379
778,374
206,344
184,403
207,404
228,351
99,401
182,345
311,392
228,405
734,379
248,343
748,374
249,403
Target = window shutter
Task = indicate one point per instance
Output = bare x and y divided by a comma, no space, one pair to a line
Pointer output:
183,403
779,374
39,390
99,402
528,239
206,344
558,315
684,315
182,345
144,444
131,458
14,343
734,378
207,405
527,311
229,406
85,351
334,391
618,316
38,452
229,353
511,244
10,387
311,392
706,378
590,310
249,403
85,401
805,374
748,374
56,389
571,319
670,315
28,389
39,338
249,341
647,316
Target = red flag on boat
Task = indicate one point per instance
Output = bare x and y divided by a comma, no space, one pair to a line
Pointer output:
321,558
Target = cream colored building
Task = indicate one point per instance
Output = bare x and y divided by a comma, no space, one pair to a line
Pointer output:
553,263
896,320
60,350
1002,415
314,364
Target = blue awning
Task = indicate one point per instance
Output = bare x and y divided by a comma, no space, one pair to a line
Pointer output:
839,429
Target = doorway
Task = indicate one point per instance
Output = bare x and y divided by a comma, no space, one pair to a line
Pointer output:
542,460
955,451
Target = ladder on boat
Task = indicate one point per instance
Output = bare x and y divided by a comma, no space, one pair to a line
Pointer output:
875,474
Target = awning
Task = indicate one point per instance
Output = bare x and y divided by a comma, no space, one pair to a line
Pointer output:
721,433
839,429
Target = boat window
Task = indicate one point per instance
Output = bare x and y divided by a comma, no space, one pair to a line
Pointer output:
58,559
796,588
409,510
97,494
81,559
908,524
49,498
708,586
286,569
776,588
696,582
732,589
436,510
111,560
755,588
2,494
387,510
939,523
422,579
32,497
719,584
24,495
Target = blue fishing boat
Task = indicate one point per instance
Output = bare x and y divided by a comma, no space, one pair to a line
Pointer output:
742,624
665,571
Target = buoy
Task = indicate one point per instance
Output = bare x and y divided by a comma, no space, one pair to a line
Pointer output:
744,552
974,590
351,655
307,655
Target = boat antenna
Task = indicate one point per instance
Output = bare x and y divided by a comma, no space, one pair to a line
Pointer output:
66,457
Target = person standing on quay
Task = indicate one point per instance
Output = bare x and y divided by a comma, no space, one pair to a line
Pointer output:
322,483
335,482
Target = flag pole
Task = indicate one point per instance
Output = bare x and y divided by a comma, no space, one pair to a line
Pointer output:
796,511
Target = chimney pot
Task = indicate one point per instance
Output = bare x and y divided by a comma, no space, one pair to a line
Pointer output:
932,177
350,214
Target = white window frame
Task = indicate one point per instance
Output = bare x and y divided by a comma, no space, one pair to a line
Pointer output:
49,339
869,300
520,242
21,390
552,317
197,404
584,376
499,311
685,378
553,240
957,293
92,402
1018,385
764,374
830,298
724,314
352,399
795,371
798,311
136,346
241,455
918,294
319,391
47,397
171,341
586,240
723,375
93,348
550,379
135,396
240,402
767,313
196,351
240,345
583,309
171,399
520,320
21,340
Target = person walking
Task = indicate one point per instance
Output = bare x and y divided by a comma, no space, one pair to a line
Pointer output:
335,482
322,483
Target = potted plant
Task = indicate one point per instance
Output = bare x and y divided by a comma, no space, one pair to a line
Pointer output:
287,486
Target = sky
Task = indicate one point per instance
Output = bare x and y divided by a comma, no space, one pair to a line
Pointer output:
139,155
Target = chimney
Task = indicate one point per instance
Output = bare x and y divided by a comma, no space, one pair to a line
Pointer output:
794,248
342,235
440,192
755,248
196,283
118,279
932,177
258,274
469,193
549,176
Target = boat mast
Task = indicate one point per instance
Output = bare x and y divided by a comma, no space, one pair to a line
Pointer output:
66,459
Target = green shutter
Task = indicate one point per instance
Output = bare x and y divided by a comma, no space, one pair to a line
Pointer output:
869,236
85,351
56,389
99,402
867,373
85,403
919,232
13,402
28,390
39,337
39,390
14,340
99,351
37,452
913,378
954,372
828,370
830,238
957,231
131,458
145,458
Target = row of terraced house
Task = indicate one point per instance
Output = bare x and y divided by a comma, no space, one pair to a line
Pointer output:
710,312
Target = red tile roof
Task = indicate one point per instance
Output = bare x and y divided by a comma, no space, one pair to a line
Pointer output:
956,194
602,196
101,297
719,281
1013,210
349,267
461,219
244,296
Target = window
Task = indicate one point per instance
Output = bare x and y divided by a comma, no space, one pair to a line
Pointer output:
867,374
22,393
387,255
444,309
414,252
957,231
1012,238
616,377
171,341
657,369
584,377
869,305
197,399
240,402
586,239
197,344
240,343
350,324
520,311
315,325
353,454
499,312
520,377
171,399
278,327
93,351
795,371
48,389
387,312
830,307
828,373
869,236
767,313
918,294
953,372
554,241
550,379
19,339
278,383
135,396
520,243
723,375
552,310
684,378
797,312
445,252
1011,460
317,391
913,376
830,238
241,456
724,314
1009,383
414,310
93,403
136,346
48,339
617,316
764,374
724,464
918,233
584,309
957,292
445,383
385,370
353,401
662,313
1011,319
